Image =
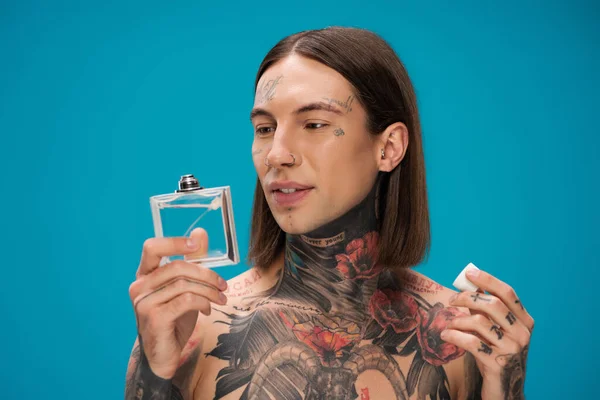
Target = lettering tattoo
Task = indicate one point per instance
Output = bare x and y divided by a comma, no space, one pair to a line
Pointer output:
334,314
326,242
477,296
243,286
485,349
511,318
266,91
498,331
339,132
420,284
346,105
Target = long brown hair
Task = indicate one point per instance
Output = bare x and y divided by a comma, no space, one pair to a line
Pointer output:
383,87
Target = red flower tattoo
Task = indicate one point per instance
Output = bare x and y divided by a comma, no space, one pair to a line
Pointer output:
329,337
359,260
431,324
394,308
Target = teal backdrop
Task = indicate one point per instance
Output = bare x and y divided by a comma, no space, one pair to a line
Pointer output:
104,104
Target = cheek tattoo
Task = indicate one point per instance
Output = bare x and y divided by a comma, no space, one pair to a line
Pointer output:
339,132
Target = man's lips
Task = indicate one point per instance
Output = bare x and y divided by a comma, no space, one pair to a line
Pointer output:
278,185
290,199
288,193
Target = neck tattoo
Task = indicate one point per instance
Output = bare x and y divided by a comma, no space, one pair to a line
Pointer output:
333,268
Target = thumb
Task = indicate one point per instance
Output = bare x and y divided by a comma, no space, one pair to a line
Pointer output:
201,237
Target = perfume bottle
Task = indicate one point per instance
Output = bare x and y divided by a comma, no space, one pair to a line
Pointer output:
192,206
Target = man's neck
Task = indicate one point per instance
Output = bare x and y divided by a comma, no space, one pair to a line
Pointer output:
334,267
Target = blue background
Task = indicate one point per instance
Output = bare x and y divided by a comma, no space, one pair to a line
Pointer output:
104,104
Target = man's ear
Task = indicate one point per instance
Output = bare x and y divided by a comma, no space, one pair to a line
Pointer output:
394,142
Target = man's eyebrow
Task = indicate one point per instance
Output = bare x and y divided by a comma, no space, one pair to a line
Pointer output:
318,106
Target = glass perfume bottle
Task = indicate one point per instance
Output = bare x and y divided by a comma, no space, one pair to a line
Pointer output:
192,206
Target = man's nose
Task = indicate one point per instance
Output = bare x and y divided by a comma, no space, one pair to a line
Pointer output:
281,153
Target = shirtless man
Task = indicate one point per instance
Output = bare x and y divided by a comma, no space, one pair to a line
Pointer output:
330,309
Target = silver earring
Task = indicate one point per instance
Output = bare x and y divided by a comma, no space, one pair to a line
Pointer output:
293,160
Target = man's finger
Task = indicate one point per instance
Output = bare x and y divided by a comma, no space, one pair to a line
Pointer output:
157,248
481,350
201,236
504,292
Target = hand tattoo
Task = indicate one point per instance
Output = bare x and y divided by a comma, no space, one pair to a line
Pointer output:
511,318
519,303
477,296
485,349
498,331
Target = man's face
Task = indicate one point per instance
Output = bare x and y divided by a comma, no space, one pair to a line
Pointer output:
310,135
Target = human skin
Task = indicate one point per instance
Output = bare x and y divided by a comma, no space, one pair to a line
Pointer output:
325,319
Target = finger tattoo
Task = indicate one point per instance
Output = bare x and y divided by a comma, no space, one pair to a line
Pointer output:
519,303
485,348
511,318
498,331
477,296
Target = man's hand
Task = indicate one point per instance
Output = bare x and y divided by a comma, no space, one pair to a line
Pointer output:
497,334
167,300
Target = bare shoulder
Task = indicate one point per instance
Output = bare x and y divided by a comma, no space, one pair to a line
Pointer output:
429,289
436,311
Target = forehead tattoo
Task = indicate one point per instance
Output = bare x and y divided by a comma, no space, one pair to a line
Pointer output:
266,90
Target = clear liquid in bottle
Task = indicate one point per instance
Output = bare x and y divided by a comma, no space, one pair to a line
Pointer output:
190,207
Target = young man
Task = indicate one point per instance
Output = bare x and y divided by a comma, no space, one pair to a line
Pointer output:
330,309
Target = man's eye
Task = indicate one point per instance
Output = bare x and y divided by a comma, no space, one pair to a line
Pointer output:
315,125
265,130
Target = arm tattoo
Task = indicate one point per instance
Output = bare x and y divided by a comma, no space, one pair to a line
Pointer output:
511,318
485,349
513,374
145,385
498,331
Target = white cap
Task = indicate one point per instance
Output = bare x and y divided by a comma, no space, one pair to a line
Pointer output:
462,283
